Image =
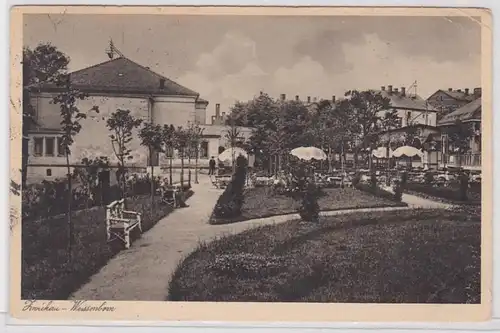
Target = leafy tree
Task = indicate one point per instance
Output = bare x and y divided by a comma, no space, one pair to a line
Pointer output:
182,142
196,133
459,136
71,116
232,134
43,64
121,124
365,110
152,137
89,175
170,141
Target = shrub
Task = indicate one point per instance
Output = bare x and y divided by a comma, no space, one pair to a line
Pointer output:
398,191
230,202
356,179
464,186
373,180
429,177
309,210
375,191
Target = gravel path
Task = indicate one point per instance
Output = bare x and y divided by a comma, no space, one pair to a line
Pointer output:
143,272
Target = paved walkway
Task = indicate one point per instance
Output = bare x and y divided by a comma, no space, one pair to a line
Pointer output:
143,272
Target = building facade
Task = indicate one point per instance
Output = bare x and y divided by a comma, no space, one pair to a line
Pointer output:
118,84
446,101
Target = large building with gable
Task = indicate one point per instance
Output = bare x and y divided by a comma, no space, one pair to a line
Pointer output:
119,83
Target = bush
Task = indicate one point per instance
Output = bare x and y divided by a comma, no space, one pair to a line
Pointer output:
400,187
377,191
230,202
356,179
429,177
309,210
464,186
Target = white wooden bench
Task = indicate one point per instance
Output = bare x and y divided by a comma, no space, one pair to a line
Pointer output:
120,222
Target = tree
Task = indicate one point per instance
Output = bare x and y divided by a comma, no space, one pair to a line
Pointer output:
70,122
459,137
44,64
182,141
365,114
89,175
121,124
170,141
232,134
152,137
196,135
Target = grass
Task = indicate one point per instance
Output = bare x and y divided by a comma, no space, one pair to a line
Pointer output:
448,194
262,202
409,256
46,274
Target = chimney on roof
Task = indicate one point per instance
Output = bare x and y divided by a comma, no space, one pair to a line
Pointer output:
450,89
467,91
261,93
217,110
308,99
389,89
333,99
282,97
396,90
383,88
403,91
315,99
297,98
459,90
162,83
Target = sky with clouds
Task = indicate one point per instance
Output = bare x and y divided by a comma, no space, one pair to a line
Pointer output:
229,58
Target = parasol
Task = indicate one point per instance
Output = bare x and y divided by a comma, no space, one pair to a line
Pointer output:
381,152
309,153
407,151
232,153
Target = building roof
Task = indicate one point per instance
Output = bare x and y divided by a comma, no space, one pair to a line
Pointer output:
457,95
125,76
408,101
469,112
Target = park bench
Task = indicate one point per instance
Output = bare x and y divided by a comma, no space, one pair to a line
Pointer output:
120,222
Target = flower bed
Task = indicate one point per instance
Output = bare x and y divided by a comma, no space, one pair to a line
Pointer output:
46,274
410,256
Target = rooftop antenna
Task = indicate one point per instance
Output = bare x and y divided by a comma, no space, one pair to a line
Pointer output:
111,50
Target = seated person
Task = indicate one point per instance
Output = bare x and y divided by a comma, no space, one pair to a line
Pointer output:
180,198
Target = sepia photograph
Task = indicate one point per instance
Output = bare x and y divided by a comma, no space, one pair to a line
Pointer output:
262,158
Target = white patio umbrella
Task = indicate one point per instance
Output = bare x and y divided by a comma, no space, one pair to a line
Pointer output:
407,151
230,153
381,152
309,153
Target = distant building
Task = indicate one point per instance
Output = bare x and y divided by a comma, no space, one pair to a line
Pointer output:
469,114
446,101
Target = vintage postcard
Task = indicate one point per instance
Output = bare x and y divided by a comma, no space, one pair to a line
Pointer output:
251,164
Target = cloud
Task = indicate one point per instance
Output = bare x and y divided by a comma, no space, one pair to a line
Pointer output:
233,71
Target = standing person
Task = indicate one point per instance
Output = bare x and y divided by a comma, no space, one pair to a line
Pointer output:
211,166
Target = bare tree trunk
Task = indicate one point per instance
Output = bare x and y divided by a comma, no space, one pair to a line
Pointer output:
170,167
152,187
69,212
196,166
182,168
189,167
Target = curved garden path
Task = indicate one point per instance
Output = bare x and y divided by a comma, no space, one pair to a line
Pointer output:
143,272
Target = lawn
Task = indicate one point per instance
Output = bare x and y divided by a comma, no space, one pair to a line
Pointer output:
410,256
449,194
263,202
45,271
